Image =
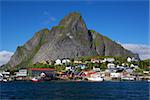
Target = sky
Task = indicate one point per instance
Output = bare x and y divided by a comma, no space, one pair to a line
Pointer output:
126,22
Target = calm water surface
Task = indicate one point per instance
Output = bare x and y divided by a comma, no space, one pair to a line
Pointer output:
20,90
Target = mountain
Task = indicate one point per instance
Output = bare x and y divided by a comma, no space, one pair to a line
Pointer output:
69,39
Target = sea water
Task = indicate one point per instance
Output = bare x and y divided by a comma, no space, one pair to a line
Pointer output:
62,90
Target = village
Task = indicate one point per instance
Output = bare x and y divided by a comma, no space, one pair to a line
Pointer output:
91,69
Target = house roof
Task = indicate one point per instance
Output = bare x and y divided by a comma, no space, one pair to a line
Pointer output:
147,66
41,69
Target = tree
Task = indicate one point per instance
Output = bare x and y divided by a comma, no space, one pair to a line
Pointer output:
138,70
59,67
103,66
78,69
143,64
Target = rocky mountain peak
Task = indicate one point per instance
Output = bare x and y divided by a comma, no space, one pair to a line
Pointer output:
74,22
70,39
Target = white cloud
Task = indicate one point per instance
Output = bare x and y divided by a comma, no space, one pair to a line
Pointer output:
141,49
5,57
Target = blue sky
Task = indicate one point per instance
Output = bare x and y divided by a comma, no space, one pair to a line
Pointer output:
122,21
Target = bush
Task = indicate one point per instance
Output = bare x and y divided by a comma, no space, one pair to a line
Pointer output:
103,66
40,66
60,68
91,31
59,27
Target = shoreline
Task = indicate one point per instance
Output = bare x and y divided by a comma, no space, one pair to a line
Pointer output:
77,81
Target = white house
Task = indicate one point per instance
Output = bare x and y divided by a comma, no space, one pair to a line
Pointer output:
95,61
6,74
123,64
68,68
58,62
96,69
121,67
64,61
146,72
108,60
129,59
1,77
21,73
77,62
115,75
134,59
134,66
111,65
129,70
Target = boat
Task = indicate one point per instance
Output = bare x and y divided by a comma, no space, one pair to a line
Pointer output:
99,79
95,77
127,78
5,80
35,79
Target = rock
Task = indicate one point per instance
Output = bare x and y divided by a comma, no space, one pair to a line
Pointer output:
70,39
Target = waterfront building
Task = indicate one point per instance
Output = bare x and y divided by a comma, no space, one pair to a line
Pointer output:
1,77
6,74
115,75
93,76
21,73
35,72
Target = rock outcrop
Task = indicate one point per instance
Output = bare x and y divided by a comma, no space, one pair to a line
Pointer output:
69,39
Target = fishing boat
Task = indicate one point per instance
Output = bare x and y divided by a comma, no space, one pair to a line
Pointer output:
35,79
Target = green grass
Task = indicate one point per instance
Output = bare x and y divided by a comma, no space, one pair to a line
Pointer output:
92,31
59,27
27,61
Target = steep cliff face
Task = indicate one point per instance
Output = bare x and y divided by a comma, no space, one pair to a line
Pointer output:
69,39
106,47
25,53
